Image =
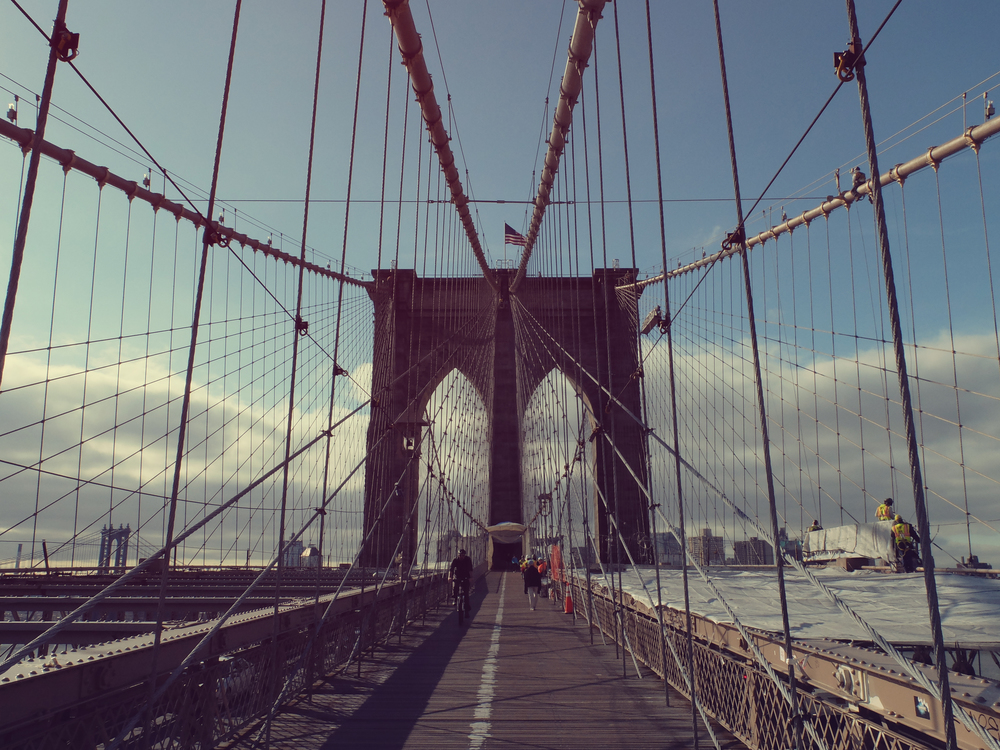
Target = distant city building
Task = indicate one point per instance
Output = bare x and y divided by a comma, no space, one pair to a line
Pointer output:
707,549
450,542
447,546
310,557
293,554
791,547
668,548
754,551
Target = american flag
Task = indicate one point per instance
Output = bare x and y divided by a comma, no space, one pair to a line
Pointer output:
510,237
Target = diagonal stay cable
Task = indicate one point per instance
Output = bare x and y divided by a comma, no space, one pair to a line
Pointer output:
236,605
303,658
118,119
87,606
659,614
751,643
908,666
740,228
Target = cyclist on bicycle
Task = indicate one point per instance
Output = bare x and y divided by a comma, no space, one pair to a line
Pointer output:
461,574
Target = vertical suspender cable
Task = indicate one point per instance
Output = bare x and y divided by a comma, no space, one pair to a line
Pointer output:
208,239
411,50
593,293
145,378
574,235
673,408
765,444
631,234
17,256
904,387
298,327
48,380
570,88
611,508
954,364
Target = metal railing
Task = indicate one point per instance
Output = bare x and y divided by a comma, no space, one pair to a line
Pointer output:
734,690
225,694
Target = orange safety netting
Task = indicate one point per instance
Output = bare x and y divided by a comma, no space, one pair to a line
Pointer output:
555,559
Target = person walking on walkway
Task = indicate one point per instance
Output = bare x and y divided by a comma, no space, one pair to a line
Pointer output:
532,583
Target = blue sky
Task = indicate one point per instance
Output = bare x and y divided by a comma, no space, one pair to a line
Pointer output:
162,70
161,67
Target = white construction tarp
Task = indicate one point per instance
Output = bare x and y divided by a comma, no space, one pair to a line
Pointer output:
873,540
894,604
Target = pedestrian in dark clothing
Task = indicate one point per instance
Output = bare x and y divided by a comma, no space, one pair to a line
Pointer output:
460,572
532,583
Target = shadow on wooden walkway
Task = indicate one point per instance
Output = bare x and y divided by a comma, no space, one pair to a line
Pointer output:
512,678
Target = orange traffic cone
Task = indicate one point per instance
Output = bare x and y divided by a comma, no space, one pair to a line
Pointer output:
568,610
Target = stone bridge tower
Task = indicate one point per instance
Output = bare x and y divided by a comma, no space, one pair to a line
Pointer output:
425,328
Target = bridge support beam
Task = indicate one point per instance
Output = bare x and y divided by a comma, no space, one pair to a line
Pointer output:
505,422
590,334
506,345
424,329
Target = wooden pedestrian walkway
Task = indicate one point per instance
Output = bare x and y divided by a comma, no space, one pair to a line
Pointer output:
512,678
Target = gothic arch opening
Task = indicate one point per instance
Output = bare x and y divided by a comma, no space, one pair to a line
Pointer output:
454,472
559,493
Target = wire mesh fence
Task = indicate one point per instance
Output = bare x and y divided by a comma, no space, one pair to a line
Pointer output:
734,691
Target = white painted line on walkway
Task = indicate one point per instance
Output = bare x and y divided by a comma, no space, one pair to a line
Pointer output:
487,686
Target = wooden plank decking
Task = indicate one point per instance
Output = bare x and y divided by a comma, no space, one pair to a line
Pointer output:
513,678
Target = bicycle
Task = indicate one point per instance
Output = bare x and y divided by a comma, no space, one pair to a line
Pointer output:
462,604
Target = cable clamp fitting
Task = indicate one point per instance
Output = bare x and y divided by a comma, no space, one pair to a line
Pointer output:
931,160
970,141
848,61
214,234
65,43
301,326
737,237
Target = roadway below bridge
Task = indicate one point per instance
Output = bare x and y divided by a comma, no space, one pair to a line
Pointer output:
513,677
31,601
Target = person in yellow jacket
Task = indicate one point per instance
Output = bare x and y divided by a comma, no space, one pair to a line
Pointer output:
885,511
905,539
